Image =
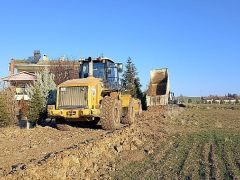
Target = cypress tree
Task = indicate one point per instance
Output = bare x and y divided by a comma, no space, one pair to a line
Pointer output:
36,105
131,82
39,94
129,78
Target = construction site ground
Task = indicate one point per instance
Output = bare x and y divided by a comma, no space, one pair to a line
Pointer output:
193,142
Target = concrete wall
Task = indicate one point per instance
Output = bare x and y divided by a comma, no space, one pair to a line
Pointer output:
157,100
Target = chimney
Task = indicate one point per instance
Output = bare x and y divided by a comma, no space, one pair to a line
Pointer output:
12,66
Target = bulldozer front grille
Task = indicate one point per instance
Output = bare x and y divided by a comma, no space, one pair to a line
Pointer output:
73,97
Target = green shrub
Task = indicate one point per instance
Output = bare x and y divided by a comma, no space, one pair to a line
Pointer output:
8,108
39,94
37,105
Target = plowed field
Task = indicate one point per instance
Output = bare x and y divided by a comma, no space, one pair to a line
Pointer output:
200,143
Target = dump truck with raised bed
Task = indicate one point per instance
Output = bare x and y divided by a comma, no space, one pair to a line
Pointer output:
95,96
158,92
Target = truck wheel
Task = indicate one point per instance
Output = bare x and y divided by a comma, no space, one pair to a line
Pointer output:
110,115
130,116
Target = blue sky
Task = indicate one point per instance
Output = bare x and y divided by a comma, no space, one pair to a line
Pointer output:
198,40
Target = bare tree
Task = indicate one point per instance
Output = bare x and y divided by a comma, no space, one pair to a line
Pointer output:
64,70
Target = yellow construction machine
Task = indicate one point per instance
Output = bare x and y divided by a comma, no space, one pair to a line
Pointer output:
95,96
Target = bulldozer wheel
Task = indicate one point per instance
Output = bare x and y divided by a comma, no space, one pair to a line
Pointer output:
110,118
130,116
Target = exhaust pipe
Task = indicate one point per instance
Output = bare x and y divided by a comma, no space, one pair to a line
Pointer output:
90,70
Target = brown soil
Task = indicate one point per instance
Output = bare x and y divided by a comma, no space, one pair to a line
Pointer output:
22,146
165,142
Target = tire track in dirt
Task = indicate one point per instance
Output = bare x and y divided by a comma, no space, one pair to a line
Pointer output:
211,163
218,165
190,169
223,169
229,173
206,167
182,162
174,162
202,161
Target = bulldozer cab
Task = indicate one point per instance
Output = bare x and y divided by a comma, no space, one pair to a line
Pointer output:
103,68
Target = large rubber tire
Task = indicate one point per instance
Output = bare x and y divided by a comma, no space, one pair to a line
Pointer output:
111,113
130,116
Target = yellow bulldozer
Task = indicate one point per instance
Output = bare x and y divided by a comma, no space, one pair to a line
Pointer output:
95,96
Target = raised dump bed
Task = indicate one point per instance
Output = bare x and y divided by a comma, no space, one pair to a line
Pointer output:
159,88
